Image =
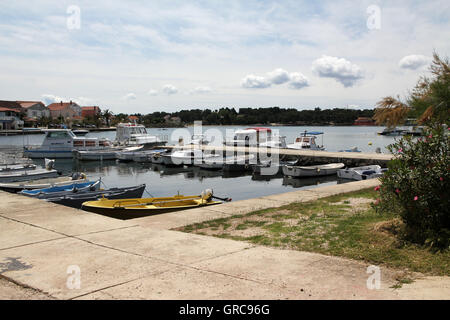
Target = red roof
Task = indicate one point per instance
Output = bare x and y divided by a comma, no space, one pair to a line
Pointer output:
133,117
90,108
60,105
9,109
27,104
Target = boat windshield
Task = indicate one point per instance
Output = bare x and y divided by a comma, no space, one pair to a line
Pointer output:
59,134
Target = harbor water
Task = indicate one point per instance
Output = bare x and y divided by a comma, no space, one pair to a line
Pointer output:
166,181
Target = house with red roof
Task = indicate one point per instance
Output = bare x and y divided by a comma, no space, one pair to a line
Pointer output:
68,110
10,113
34,109
90,111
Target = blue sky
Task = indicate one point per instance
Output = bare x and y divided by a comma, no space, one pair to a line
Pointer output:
145,56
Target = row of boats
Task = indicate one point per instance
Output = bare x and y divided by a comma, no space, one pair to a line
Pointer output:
77,191
64,143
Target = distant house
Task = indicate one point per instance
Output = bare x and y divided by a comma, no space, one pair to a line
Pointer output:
10,115
68,110
364,121
133,118
34,109
90,111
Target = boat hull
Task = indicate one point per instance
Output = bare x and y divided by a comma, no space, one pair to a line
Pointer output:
37,184
17,176
312,171
140,208
77,200
361,173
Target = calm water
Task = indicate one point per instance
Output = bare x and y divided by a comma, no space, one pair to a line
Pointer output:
163,181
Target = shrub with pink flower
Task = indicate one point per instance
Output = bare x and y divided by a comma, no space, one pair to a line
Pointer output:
416,187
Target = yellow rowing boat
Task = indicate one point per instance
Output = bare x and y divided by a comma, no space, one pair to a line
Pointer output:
139,207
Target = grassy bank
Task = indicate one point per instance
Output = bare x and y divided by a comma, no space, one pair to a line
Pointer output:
344,225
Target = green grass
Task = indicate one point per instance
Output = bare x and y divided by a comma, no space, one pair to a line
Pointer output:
331,226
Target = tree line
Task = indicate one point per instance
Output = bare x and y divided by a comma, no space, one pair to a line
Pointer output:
252,116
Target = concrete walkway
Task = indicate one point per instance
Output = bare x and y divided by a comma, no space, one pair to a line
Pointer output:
42,243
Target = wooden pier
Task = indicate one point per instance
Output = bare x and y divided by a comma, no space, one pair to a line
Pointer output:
305,156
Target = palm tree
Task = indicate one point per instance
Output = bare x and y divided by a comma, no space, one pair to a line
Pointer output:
107,116
429,101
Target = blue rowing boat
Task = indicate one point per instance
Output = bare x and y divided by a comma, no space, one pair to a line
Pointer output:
75,187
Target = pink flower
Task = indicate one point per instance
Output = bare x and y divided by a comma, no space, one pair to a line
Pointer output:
377,201
397,191
420,139
442,179
430,136
377,188
416,198
400,150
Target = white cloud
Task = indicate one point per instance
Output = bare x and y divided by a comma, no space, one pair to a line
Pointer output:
200,90
298,80
255,82
50,98
413,62
169,89
129,96
152,92
278,76
339,69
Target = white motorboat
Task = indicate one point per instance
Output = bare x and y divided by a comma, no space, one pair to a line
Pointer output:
183,157
60,143
132,134
145,155
251,137
15,167
361,173
105,154
157,157
25,175
312,171
307,141
393,132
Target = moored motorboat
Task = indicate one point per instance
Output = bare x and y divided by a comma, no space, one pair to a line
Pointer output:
138,207
55,191
361,173
100,155
132,134
312,171
15,167
137,156
60,143
26,174
183,157
76,200
307,141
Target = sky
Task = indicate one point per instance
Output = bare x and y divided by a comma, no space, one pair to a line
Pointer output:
147,56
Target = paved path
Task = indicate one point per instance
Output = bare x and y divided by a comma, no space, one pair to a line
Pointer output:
143,259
